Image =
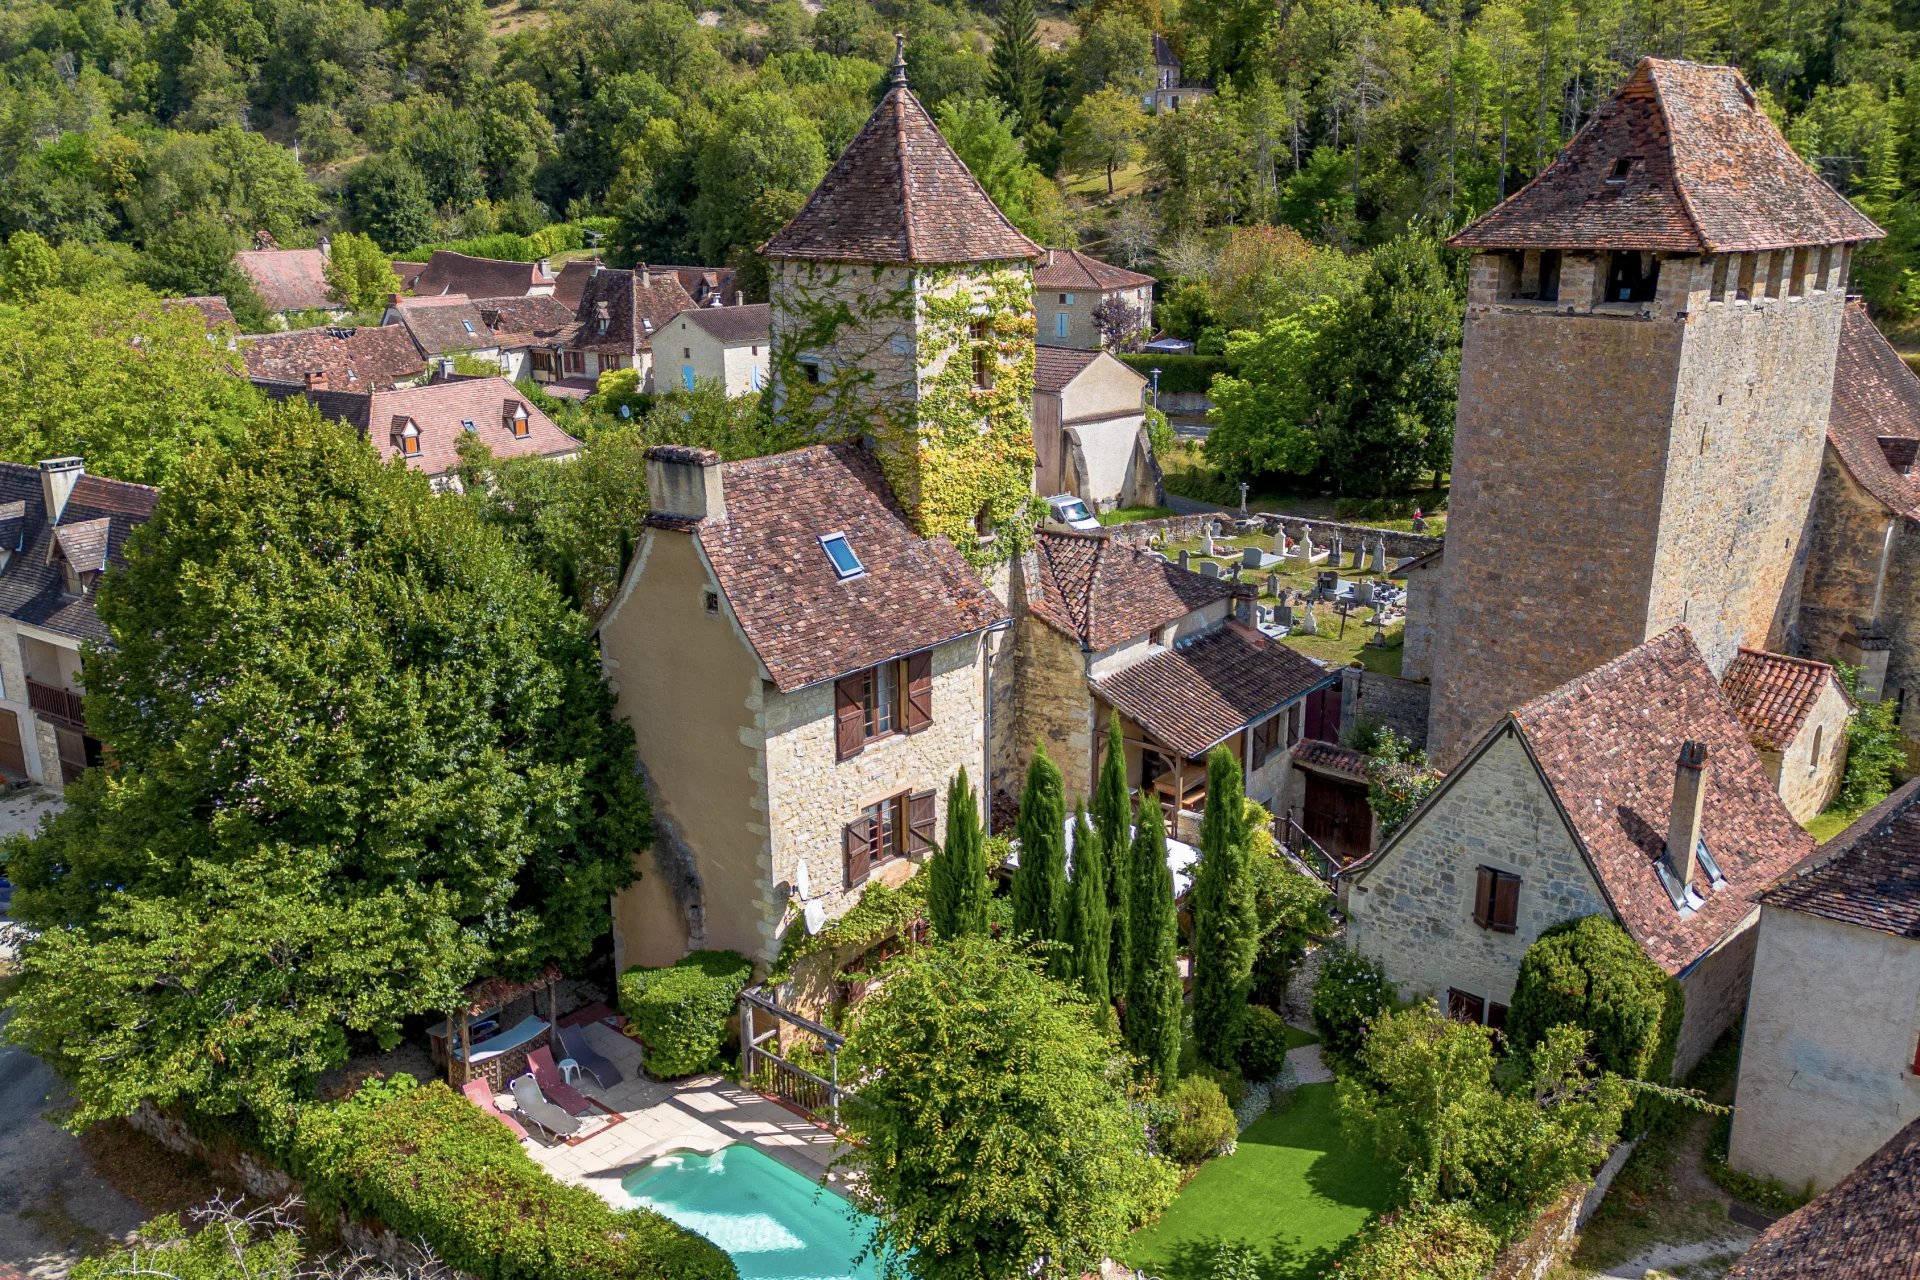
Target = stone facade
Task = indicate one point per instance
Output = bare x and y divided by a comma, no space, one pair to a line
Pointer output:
1393,703
1808,771
1045,675
1066,316
1715,987
1412,910
1400,546
1675,444
1826,1065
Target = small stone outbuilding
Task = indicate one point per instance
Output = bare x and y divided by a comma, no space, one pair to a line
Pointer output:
1089,430
1797,713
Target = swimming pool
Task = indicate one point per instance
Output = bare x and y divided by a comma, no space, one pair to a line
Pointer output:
775,1223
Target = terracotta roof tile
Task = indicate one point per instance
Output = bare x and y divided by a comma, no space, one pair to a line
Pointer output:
1330,757
444,325
1876,398
1608,743
32,585
898,193
369,358
1866,1228
1102,592
704,284
1072,269
1867,875
1055,367
1708,173
527,322
572,281
1212,686
733,325
806,623
636,304
449,272
440,411
288,279
1773,694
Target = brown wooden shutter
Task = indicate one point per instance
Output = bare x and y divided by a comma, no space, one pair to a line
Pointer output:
849,715
1506,902
857,840
920,823
1483,897
919,691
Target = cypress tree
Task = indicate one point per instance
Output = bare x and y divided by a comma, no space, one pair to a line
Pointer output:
1153,989
1226,926
1040,901
1112,821
957,874
1092,933
1015,74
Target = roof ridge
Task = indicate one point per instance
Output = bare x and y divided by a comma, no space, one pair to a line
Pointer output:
1679,187
1848,841
900,156
1785,657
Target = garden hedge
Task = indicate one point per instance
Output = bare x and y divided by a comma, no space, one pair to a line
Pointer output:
1442,1242
1179,375
433,1167
681,1011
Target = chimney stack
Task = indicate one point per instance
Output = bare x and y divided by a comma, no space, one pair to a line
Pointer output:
57,478
446,368
739,298
684,483
316,379
1683,828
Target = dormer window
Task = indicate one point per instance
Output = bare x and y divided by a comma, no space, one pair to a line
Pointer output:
516,419
602,318
845,563
1622,168
406,437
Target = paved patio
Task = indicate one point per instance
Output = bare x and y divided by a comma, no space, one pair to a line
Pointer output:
700,1114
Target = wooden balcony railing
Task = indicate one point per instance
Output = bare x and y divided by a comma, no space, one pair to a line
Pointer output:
55,703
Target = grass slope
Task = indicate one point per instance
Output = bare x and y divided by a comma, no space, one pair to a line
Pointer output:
1294,1189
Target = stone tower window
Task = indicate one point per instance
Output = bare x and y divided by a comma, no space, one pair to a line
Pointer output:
1749,263
1720,278
1549,275
1797,284
1632,277
1813,760
1826,268
983,353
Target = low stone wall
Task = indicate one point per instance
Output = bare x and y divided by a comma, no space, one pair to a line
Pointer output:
1188,404
1394,703
1400,546
1555,1231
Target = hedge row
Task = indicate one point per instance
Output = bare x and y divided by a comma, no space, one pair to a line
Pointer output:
681,1011
432,1166
1179,375
510,246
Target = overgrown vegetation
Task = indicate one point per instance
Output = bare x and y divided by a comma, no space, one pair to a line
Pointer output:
681,1010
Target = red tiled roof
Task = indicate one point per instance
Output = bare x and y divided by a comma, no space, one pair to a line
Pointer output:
1709,173
1211,687
733,325
444,325
573,277
806,623
450,272
1055,367
1608,742
530,321
1876,397
637,302
898,193
1867,875
1072,269
1330,757
1102,592
440,411
288,279
212,308
1773,694
1866,1228
371,358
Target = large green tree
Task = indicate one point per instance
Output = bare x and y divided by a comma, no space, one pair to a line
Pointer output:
362,756
995,1135
1113,830
1589,973
957,890
1041,902
359,274
1226,924
1090,930
1017,74
1153,977
754,171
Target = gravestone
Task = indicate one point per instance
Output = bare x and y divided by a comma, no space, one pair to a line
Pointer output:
1306,544
1363,592
1283,615
1273,585
1208,569
1206,544
1333,557
1250,558
1309,625
1380,554
1359,554
1186,559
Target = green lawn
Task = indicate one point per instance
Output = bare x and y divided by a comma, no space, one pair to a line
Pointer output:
1824,827
1298,1039
1293,1189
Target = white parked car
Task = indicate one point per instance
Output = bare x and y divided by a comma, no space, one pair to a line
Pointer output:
1065,509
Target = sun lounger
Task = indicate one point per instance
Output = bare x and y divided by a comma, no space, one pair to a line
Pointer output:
574,1041
534,1106
554,1085
480,1094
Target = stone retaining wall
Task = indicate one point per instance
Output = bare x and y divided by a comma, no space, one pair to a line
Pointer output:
1555,1231
1390,701
1400,546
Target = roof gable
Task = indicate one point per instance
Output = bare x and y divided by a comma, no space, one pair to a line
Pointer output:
1102,592
364,359
735,326
99,516
1774,694
1072,269
448,272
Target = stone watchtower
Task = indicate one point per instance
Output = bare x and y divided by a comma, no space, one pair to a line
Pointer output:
1650,341
902,310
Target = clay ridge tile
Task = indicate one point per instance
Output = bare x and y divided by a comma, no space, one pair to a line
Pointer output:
1773,694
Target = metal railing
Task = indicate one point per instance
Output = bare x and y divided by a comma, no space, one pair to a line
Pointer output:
56,703
1308,851
762,1068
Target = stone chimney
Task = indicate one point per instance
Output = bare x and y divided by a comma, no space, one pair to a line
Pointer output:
646,275
57,478
316,379
684,483
446,368
1049,257
739,298
325,244
1683,828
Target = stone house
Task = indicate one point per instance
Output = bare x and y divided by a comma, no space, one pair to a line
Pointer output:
1170,85
1633,792
290,281
1646,376
726,345
619,312
804,674
1830,1063
1069,285
1102,628
425,425
707,286
368,358
61,530
447,273
1862,1229
528,332
444,325
1797,712
1089,430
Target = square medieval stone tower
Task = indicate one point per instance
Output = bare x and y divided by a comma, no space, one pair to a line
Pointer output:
1650,340
902,310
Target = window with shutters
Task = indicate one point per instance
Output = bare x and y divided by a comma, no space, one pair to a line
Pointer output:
1464,1006
894,697
897,827
1268,738
985,357
1496,900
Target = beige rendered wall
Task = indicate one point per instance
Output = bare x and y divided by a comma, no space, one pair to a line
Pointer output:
1413,911
1082,332
1102,414
692,690
1826,1065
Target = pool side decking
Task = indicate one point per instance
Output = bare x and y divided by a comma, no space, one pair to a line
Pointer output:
701,1114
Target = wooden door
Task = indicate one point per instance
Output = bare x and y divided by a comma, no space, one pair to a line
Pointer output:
13,754
1337,816
1323,715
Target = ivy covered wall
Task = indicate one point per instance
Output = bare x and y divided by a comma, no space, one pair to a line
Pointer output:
890,352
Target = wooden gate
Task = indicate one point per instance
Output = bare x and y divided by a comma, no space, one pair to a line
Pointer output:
1323,715
1337,816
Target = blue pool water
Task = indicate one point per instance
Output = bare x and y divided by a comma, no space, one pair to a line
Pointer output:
776,1224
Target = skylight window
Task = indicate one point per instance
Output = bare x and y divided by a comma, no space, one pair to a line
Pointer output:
1708,865
468,326
845,562
468,424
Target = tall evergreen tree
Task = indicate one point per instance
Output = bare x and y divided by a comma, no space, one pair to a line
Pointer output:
1112,824
1016,75
957,874
1091,932
1226,926
1040,900
1153,987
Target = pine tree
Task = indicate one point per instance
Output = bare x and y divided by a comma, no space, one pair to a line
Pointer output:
1153,990
1015,76
957,874
1040,900
1092,931
1112,823
1226,927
